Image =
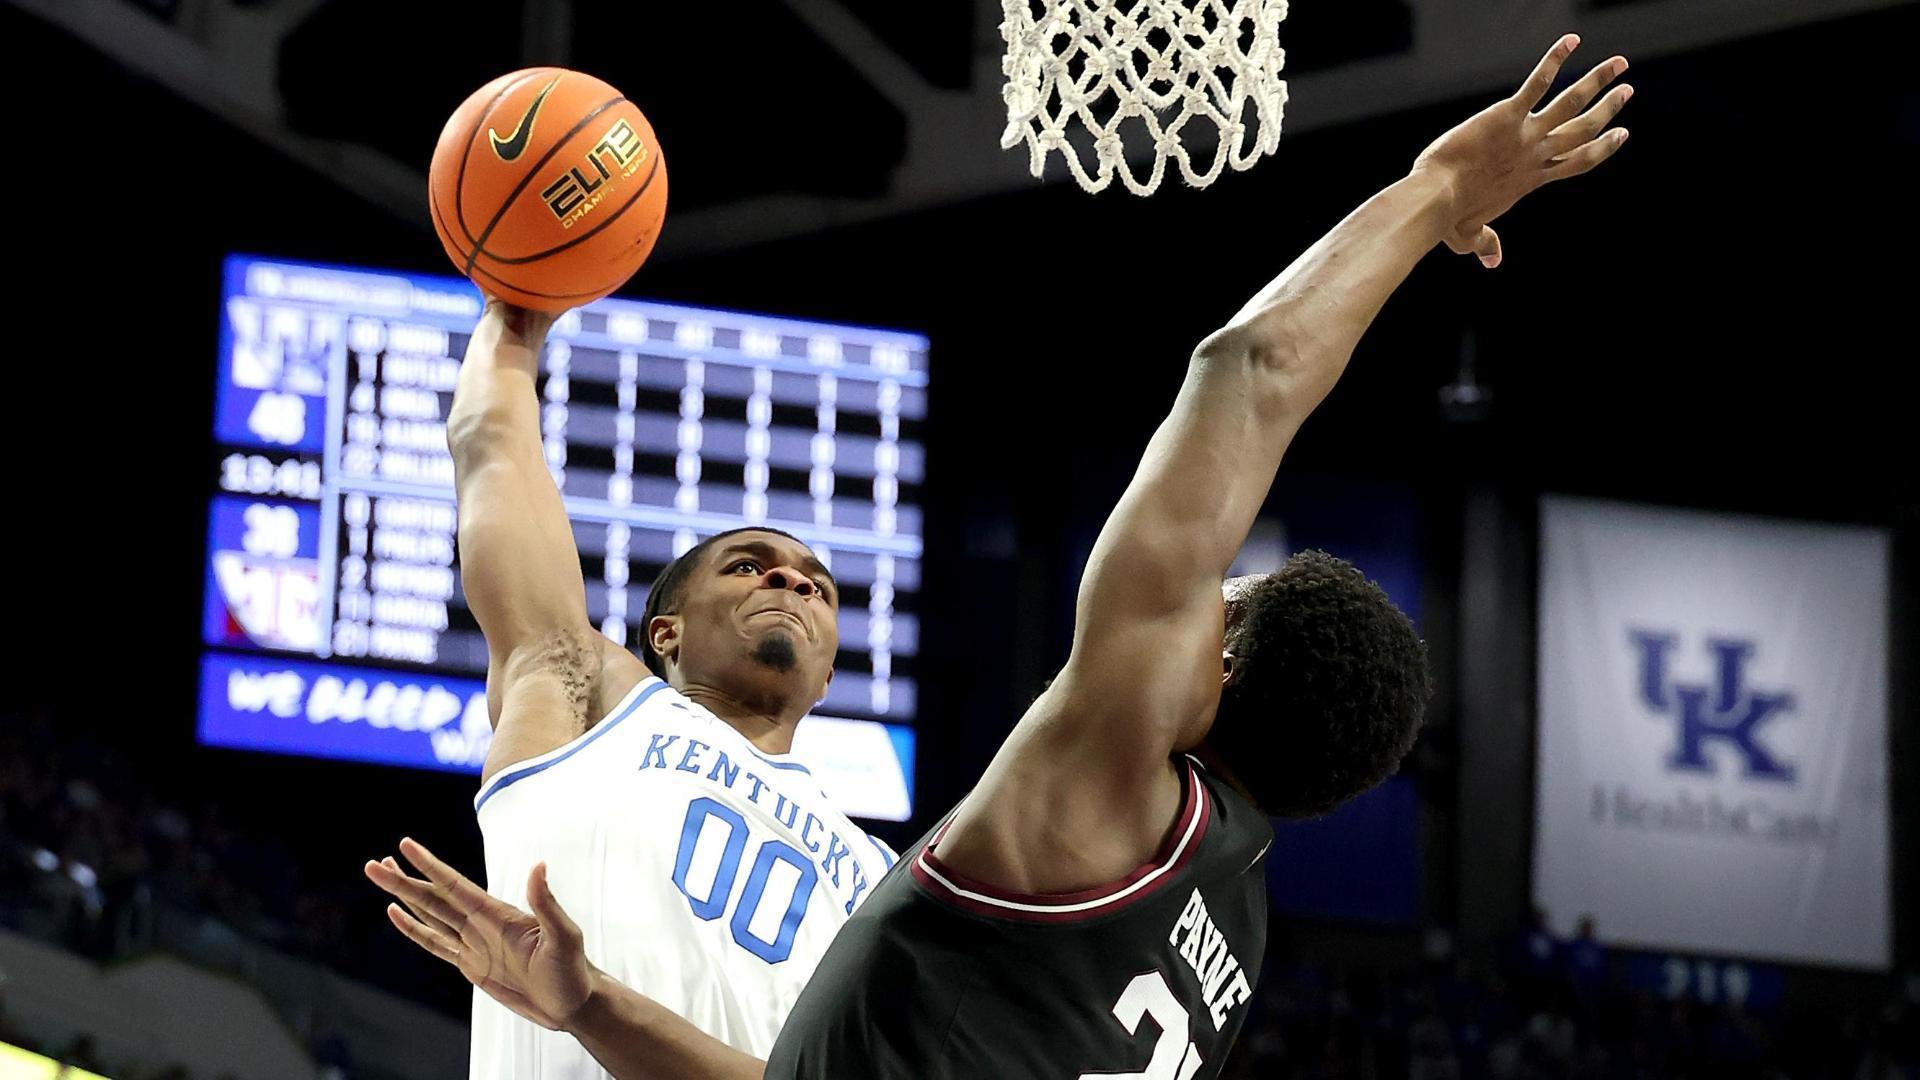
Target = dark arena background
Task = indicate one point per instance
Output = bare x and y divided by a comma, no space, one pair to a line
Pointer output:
1656,471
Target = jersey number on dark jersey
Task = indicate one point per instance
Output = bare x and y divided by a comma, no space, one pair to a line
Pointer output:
1174,1056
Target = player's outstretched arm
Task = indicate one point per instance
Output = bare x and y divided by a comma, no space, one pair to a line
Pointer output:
536,964
1146,667
549,672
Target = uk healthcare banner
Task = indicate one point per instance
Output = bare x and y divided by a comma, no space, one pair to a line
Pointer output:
1712,755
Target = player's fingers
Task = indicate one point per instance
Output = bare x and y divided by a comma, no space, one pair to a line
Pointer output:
1487,247
1576,97
422,914
546,907
1584,128
1545,72
417,932
464,893
1586,157
418,895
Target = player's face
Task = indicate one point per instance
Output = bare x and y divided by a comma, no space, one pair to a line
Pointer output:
761,609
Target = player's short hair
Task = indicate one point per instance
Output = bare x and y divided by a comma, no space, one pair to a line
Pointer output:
670,587
1328,689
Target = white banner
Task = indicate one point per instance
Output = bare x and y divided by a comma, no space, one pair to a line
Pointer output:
1712,759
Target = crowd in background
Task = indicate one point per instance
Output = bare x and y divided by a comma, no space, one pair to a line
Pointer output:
110,860
1548,1009
96,854
94,851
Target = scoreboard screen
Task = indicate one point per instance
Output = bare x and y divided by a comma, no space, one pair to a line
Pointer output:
334,622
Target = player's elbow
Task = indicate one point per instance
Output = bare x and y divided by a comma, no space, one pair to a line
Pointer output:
1262,363
1269,346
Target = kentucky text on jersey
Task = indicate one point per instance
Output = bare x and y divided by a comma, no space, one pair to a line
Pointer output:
693,756
1223,983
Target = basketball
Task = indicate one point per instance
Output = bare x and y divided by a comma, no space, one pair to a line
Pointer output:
547,188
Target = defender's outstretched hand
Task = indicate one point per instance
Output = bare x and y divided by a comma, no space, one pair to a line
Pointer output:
533,964
1508,150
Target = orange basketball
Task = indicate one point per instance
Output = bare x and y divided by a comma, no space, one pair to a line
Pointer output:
547,188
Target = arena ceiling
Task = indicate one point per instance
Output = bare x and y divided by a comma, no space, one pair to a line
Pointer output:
783,117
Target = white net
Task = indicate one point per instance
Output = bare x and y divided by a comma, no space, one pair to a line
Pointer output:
1153,65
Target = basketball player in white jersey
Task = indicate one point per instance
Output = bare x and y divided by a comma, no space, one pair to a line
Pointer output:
703,864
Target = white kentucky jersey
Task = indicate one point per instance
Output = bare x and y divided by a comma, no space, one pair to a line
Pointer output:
704,874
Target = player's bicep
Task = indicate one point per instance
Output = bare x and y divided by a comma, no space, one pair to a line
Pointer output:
1150,620
1136,692
1199,486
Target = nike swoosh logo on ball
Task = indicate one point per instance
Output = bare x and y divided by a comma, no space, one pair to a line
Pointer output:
513,146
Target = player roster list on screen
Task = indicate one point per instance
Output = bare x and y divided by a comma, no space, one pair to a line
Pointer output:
334,618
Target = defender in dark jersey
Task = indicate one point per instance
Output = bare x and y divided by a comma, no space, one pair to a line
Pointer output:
940,977
1096,906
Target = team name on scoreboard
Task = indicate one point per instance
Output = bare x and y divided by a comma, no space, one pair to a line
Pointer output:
616,157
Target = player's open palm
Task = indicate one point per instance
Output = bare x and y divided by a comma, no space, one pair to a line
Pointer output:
534,964
1507,150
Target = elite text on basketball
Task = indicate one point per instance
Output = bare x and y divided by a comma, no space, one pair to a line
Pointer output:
575,194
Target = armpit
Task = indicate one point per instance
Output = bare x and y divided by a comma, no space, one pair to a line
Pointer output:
573,659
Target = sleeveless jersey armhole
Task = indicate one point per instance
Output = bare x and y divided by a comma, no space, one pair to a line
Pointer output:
532,766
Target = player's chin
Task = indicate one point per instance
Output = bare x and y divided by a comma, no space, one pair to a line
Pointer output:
775,648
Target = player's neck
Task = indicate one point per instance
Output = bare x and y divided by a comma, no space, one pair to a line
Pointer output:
767,725
1211,759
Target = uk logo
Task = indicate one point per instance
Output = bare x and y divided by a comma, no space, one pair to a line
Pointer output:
1729,714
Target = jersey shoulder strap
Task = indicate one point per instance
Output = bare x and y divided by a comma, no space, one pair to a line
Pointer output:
641,693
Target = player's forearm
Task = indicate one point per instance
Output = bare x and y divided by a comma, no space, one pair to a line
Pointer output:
1206,472
636,1038
1302,328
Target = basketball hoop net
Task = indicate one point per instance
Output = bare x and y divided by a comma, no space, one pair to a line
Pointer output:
1162,62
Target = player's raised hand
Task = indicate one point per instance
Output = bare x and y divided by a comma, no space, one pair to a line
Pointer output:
1506,151
518,323
534,964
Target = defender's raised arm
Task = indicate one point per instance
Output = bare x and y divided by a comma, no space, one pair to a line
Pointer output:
1150,617
1146,670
